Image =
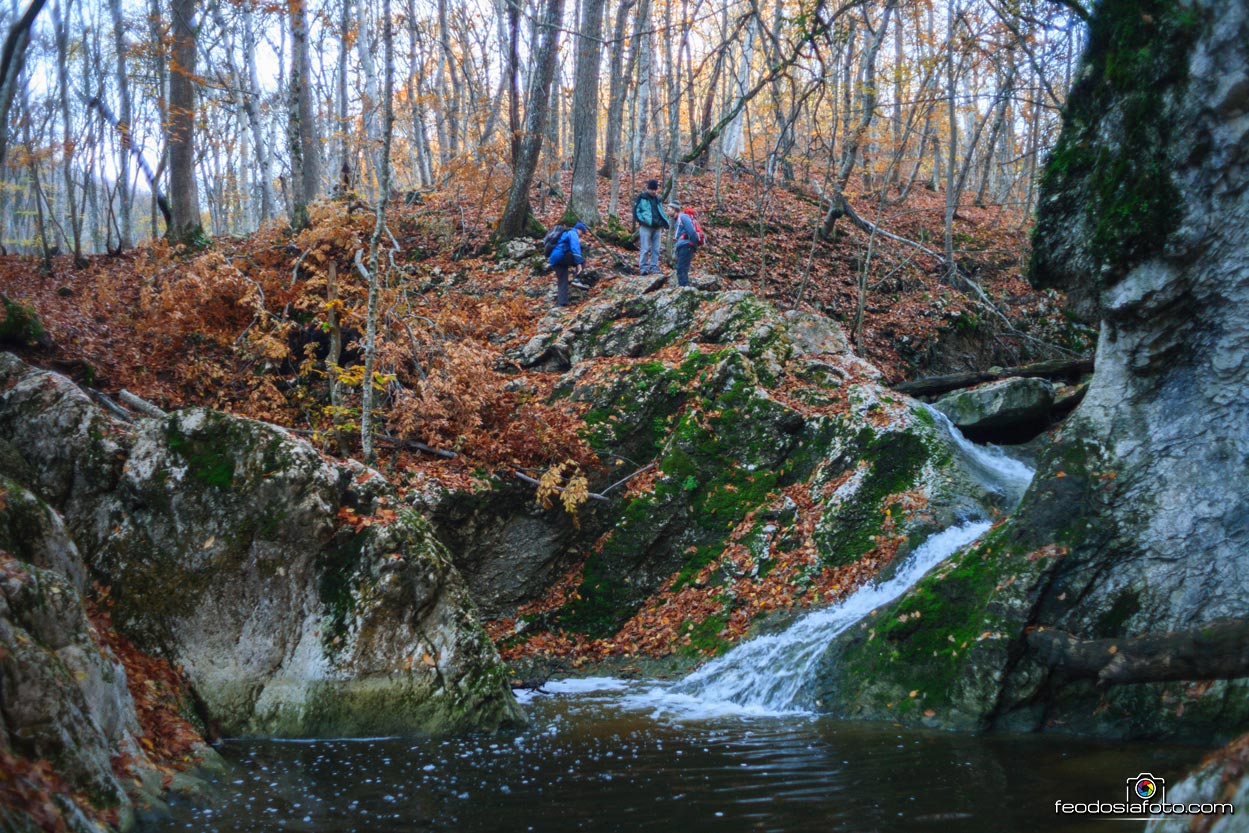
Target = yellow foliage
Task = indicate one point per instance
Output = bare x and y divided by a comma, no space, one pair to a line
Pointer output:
567,482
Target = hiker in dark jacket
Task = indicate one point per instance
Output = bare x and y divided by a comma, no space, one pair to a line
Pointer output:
565,255
648,211
686,242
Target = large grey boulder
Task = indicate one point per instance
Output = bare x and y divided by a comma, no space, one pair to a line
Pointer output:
63,698
297,595
1022,402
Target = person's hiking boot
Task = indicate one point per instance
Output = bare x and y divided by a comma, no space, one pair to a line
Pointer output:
577,285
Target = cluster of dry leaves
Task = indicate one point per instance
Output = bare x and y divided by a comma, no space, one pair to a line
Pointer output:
160,692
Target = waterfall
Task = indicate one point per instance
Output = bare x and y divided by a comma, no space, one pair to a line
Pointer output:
768,674
988,464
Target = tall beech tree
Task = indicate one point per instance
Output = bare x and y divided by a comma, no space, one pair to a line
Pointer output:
185,225
518,219
304,147
584,203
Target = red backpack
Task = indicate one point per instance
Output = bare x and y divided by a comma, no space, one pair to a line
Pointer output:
700,237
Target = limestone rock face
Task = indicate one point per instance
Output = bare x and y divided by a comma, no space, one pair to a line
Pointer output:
221,541
1135,523
65,700
508,549
1017,402
63,694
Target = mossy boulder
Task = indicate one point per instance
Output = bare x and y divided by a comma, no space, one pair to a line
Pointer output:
64,697
735,406
223,543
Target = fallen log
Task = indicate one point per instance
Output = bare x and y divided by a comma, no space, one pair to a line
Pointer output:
1218,650
1055,369
140,404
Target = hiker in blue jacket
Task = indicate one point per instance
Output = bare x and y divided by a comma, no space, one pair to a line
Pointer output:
565,255
648,211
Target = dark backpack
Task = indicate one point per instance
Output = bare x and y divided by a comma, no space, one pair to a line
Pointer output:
552,239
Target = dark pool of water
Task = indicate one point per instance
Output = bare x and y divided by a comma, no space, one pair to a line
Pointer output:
589,762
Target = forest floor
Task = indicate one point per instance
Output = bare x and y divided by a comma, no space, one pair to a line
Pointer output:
241,325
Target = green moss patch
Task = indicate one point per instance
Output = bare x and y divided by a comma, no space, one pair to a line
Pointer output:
1117,183
20,325
895,461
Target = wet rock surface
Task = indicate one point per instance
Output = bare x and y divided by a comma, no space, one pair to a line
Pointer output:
1134,524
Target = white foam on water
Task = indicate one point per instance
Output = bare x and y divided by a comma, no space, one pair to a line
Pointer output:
574,685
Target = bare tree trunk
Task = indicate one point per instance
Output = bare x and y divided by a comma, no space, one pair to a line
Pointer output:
513,80
370,338
899,56
124,129
342,125
615,95
951,173
366,44
1217,650
999,122
447,73
306,175
248,100
416,87
850,150
584,200
731,140
68,144
672,65
157,34
644,60
184,195
517,219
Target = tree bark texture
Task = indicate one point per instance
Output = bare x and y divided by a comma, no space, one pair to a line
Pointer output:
517,216
183,193
584,201
1218,650
306,169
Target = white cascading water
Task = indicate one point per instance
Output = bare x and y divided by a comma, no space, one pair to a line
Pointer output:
991,466
768,675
